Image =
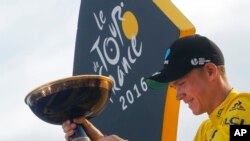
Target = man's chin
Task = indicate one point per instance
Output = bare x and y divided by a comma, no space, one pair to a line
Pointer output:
197,112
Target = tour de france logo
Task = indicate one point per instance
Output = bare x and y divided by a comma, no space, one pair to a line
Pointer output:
121,40
117,50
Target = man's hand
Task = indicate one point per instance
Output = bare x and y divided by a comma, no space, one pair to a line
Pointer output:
93,133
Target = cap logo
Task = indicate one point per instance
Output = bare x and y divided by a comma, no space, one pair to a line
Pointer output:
194,61
199,61
166,56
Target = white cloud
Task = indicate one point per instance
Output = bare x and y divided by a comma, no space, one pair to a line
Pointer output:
36,46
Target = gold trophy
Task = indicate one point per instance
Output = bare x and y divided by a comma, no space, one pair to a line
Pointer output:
65,99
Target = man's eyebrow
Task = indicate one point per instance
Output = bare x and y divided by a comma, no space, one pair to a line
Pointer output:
173,83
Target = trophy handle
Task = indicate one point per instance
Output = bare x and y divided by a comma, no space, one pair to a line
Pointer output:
80,134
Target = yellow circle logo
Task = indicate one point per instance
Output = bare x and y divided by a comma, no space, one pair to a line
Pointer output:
129,25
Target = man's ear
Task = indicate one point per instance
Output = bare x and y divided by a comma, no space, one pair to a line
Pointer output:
211,70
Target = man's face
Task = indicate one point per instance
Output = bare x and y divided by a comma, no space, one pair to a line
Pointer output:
193,89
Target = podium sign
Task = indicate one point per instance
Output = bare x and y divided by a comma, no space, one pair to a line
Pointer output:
127,41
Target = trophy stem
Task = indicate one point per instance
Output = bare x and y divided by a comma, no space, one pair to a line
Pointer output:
80,134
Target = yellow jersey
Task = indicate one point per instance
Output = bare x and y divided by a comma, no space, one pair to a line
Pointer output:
234,110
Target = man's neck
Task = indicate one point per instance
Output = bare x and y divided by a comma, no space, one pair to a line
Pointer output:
220,93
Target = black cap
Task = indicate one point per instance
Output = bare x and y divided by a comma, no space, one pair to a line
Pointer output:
184,55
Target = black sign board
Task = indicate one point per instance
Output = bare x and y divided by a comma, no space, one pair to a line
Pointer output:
127,41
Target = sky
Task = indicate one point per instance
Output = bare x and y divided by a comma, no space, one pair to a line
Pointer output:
37,41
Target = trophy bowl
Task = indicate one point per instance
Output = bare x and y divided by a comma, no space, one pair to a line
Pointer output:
65,99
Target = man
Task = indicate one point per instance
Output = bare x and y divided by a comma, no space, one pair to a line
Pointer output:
194,66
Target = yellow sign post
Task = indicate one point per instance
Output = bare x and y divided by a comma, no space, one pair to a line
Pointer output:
170,120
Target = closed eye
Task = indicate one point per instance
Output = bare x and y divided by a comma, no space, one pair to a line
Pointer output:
181,83
177,84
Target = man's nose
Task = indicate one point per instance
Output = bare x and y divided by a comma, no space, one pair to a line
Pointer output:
179,95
